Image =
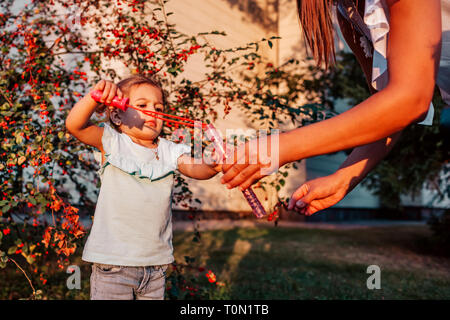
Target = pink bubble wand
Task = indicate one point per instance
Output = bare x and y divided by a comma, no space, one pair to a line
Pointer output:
210,131
214,135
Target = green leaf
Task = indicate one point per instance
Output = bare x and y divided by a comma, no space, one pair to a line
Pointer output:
21,160
38,295
19,139
12,250
270,44
30,259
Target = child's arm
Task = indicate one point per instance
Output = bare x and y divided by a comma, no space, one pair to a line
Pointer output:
200,171
77,122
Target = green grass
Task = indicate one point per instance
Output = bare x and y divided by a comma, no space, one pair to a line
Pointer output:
288,263
285,263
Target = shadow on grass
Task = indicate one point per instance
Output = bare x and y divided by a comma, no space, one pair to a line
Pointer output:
275,263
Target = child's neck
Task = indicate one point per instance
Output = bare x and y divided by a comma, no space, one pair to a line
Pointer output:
151,144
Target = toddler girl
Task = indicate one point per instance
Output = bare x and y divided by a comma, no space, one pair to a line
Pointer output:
130,242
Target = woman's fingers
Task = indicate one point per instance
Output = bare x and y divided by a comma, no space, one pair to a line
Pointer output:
299,193
302,211
305,208
240,158
231,172
309,207
317,194
316,205
242,176
251,180
249,164
306,199
292,203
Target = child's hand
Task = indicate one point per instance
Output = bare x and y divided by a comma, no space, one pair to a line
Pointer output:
216,167
110,90
214,160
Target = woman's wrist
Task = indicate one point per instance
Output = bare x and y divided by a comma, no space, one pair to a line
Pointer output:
347,178
287,150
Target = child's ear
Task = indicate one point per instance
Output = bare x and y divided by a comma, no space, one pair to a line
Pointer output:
115,116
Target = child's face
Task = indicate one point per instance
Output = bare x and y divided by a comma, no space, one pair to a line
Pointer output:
138,124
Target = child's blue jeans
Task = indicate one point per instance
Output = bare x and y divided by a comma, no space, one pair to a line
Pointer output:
110,282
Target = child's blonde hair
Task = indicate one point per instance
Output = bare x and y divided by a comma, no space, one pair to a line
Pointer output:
125,86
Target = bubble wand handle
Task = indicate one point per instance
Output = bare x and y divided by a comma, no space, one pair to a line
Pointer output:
122,104
215,137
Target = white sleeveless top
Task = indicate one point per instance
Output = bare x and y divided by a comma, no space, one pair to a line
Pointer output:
133,218
376,17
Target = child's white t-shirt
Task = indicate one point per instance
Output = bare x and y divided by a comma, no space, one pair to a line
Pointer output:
133,218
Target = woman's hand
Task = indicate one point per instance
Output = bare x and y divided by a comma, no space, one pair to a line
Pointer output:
319,194
254,160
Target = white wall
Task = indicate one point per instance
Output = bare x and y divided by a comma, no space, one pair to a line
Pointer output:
196,16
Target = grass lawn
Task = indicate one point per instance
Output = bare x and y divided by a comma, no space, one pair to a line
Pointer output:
293,263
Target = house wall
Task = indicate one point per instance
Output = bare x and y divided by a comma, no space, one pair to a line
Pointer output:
244,22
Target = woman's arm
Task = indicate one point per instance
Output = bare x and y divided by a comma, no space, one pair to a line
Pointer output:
413,57
321,193
77,122
324,192
363,159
